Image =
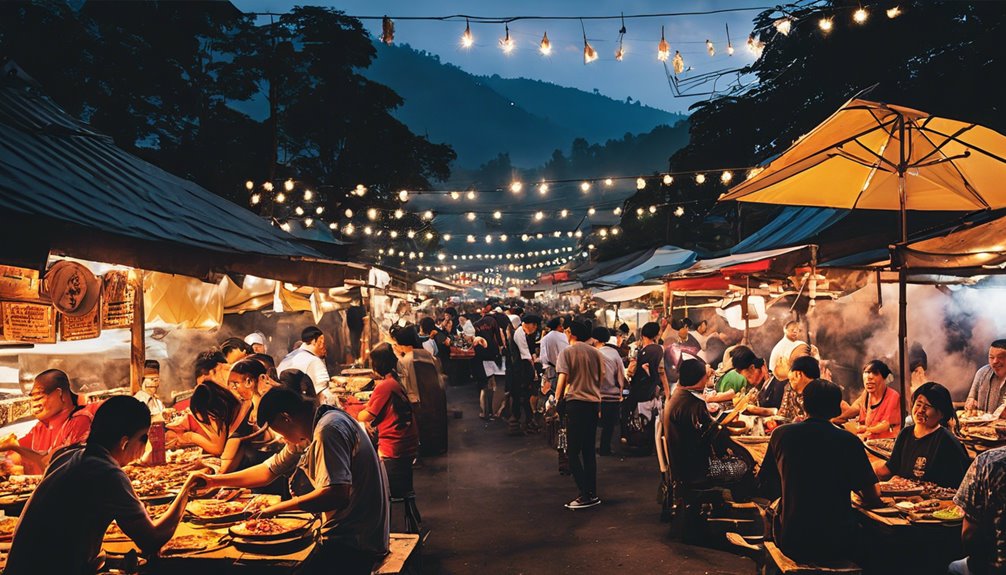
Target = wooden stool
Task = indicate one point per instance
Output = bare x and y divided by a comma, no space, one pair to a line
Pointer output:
779,563
403,556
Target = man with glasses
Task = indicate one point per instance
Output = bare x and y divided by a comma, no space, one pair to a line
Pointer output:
60,422
148,389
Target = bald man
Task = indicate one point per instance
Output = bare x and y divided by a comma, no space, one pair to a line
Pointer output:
60,422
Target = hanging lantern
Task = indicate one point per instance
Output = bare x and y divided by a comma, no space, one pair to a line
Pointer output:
388,28
663,48
678,63
545,47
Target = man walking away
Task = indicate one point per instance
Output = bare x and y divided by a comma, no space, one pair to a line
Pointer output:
612,384
579,395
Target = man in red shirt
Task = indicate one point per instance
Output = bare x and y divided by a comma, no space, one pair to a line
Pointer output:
60,422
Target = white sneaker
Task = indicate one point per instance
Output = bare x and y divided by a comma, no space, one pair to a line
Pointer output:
583,502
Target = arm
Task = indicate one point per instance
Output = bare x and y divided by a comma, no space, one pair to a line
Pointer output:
971,403
969,532
229,458
28,455
211,441
882,471
149,535
851,411
560,387
320,500
255,476
663,380
871,497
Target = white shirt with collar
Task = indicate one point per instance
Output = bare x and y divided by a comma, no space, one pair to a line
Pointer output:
520,338
304,359
153,404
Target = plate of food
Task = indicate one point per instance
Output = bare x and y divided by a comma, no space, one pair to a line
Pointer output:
19,484
952,514
190,543
114,533
752,439
216,511
272,528
7,525
900,486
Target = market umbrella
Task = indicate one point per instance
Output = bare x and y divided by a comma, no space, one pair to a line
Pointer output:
876,156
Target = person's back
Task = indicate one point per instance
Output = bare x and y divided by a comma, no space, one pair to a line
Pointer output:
982,496
690,422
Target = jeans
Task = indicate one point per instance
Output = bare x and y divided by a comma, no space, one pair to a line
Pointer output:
581,435
609,417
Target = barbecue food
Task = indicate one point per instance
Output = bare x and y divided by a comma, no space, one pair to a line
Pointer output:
934,491
899,485
193,542
20,483
155,511
262,501
885,446
156,481
213,509
267,527
7,525
987,433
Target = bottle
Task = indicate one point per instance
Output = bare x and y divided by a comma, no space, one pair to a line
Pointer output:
155,437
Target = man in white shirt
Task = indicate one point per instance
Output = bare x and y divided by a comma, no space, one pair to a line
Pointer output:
257,341
467,327
778,362
309,358
523,375
148,388
552,344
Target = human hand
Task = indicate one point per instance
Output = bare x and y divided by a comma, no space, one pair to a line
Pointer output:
199,480
970,404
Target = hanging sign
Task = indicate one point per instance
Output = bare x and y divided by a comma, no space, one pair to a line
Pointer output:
28,322
118,300
18,283
75,328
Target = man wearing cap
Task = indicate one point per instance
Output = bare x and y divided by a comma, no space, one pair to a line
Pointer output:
147,395
60,422
257,341
310,359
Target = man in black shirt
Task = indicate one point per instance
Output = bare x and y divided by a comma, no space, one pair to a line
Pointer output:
814,466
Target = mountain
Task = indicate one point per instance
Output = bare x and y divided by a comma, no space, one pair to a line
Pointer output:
482,117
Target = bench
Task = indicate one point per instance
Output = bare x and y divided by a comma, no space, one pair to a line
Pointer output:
403,555
786,566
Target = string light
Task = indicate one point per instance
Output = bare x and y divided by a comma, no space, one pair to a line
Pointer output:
470,216
678,63
516,187
539,216
700,178
640,183
255,199
489,239
308,195
319,210
506,43
618,211
429,235
545,47
679,211
563,213
589,54
403,196
663,48
710,48
653,209
455,195
585,187
308,222
471,194
360,190
668,179
332,226
288,185
640,212
467,39
542,188
280,198
267,186
608,182
393,234
471,239
860,16
249,185
399,214
349,213
285,226
825,24
783,26
349,229
368,230
447,237
615,231
497,215
411,234
372,214
591,211
894,12
428,215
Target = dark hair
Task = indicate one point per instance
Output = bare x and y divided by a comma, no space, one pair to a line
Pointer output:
405,335
213,406
207,361
579,330
939,397
427,324
624,328
807,365
118,416
263,358
822,399
232,343
250,367
691,372
600,333
917,358
298,382
651,330
531,318
998,344
878,367
281,400
554,323
310,333
677,324
53,379
383,359
741,357
152,365
451,312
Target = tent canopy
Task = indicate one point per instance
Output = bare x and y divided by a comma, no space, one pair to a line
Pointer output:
661,261
67,189
970,246
792,226
783,260
627,293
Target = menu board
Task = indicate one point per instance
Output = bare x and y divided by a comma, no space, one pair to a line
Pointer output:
86,326
29,322
18,283
118,300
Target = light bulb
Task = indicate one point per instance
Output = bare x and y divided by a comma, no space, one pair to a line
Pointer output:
429,235
349,229
249,185
860,16
700,178
503,238
710,48
441,257
563,213
332,226
447,237
679,211
615,231
663,48
267,186
585,186
349,213
640,211
255,199
368,230
668,179
497,215
725,177
455,195
393,234
288,185
319,210
825,24
618,211
578,234
280,197
285,226
411,234
545,47
640,183
783,26
372,214
308,222
308,195
467,39
489,239
524,237
471,239
506,43
471,195
589,54
608,181
471,216
516,187
653,209
543,188
539,216
403,196
428,215
361,190
894,12
399,214
591,211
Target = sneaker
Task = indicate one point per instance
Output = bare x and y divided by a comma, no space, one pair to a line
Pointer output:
583,502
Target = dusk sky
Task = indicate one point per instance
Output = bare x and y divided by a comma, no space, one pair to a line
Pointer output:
639,75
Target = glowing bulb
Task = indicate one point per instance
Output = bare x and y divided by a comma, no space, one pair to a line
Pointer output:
470,216
725,177
267,186
455,195
618,211
663,48
578,234
679,211
489,239
471,239
285,226
308,222
288,185
349,229
372,214
361,190
255,199
332,226
249,185
730,49
640,183
589,54
608,181
503,238
710,48
668,179
538,235
825,24
497,215
563,213
447,237
516,187
619,54
428,215
615,231
368,230
471,195
319,210
538,216
280,197
403,196
429,235
525,237
506,43
543,188
640,212
545,47
653,209
591,211
467,39
783,26
411,234
585,187
393,234
349,213
399,214
860,16
603,232
700,178
441,257
894,12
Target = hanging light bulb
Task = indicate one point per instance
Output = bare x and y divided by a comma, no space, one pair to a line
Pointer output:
332,226
653,209
393,234
589,54
585,187
538,216
640,183
860,15
249,185
578,234
467,39
516,187
319,210
308,222
428,215
455,195
545,47
503,238
557,234
288,185
470,216
710,48
679,211
429,235
403,196
608,182
349,229
285,226
700,178
825,24
399,214
603,232
497,215
471,239
591,211
349,213
255,199
372,214
441,257
668,179
489,239
619,53
563,213
543,188
308,195
506,43
730,48
725,177
640,212
782,25
618,211
368,230
387,31
280,198
663,48
894,12
678,63
361,190
447,237
524,237
615,231
267,186
411,234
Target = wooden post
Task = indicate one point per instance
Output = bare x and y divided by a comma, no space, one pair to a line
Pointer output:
137,344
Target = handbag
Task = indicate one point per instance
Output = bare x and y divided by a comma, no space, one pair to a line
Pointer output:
726,468
562,449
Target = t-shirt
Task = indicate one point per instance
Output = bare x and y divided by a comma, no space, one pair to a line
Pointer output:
732,380
63,524
411,376
982,496
340,453
397,433
695,436
305,360
791,406
938,457
783,350
887,410
582,366
614,374
552,345
61,431
814,466
644,385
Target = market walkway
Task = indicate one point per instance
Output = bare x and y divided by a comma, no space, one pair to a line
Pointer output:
494,504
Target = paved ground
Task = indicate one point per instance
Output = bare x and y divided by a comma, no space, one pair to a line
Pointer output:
494,504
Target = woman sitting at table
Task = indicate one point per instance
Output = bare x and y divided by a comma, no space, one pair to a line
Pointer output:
928,451
878,408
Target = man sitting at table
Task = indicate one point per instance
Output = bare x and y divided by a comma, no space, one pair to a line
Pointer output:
61,422
83,491
988,389
813,466
334,470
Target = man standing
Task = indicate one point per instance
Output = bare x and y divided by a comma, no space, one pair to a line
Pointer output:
310,359
989,385
523,375
334,471
778,361
60,422
578,392
814,466
612,384
148,389
552,345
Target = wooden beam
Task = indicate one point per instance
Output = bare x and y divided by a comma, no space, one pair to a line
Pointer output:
137,344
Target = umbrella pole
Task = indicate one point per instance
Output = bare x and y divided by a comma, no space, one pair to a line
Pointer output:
902,276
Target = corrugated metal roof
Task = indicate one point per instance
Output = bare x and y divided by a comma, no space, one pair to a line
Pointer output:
54,168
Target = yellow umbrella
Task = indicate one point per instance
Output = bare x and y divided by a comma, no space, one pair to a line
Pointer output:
870,155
